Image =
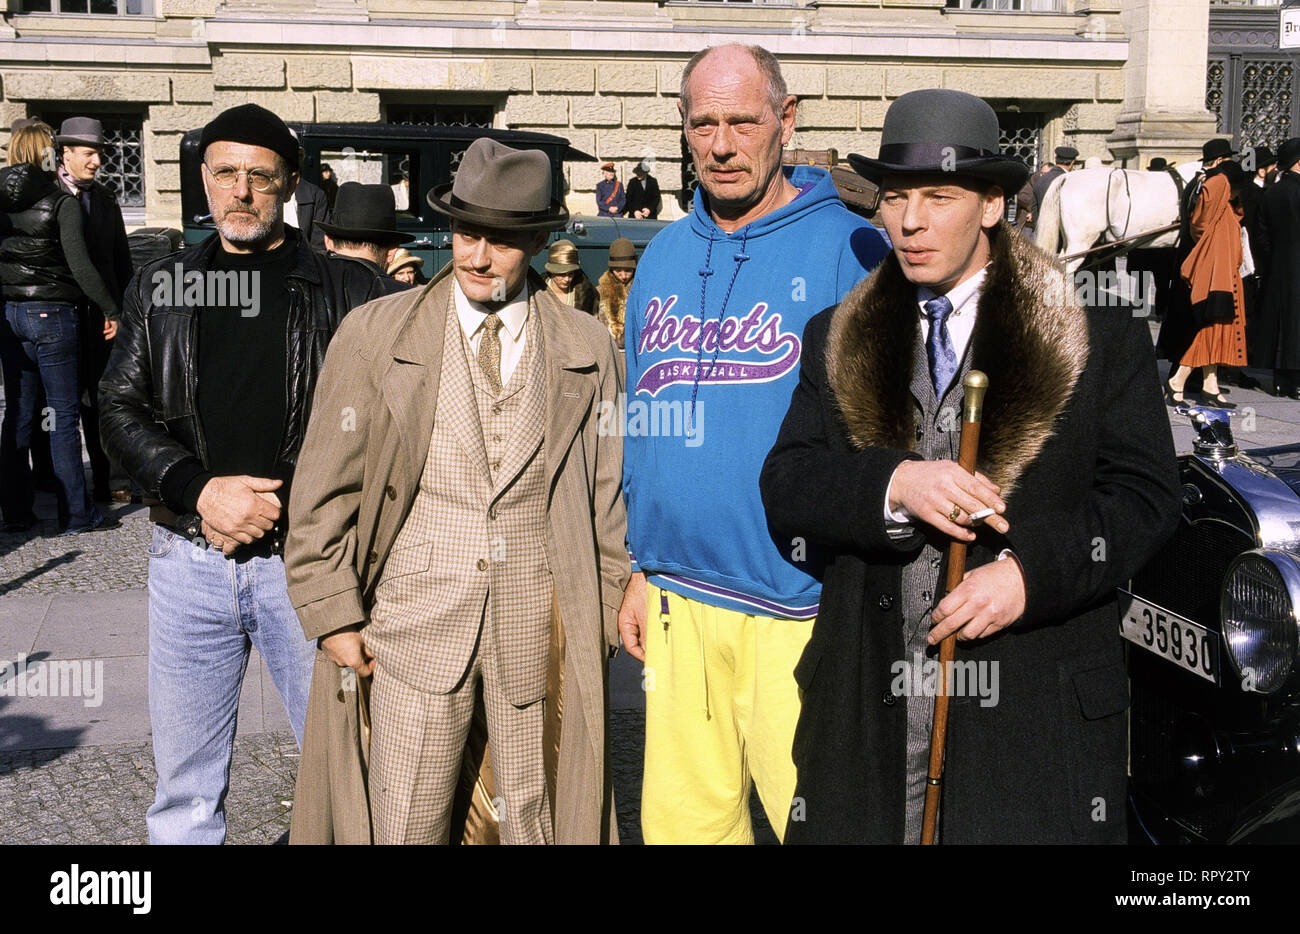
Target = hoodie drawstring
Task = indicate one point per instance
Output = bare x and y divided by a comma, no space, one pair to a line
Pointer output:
707,271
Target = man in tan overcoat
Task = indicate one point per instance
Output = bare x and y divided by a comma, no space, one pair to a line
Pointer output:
457,531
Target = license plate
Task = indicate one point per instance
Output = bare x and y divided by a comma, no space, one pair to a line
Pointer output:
1186,644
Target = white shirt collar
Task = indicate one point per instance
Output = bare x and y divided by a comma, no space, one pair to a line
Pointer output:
472,314
964,296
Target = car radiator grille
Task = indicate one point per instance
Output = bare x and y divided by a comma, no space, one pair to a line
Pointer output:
1185,577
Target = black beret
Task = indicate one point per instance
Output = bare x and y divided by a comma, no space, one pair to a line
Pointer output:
254,125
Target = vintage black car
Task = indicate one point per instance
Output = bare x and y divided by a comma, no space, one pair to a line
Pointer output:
1211,624
413,160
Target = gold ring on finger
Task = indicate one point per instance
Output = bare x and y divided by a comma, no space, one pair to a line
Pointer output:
956,511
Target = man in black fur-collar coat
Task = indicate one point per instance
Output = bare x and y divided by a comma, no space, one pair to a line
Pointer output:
1076,460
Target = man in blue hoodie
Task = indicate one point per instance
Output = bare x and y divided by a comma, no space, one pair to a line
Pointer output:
714,319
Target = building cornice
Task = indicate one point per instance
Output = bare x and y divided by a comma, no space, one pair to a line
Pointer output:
475,39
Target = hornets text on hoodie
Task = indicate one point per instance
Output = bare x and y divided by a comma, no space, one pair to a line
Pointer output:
714,329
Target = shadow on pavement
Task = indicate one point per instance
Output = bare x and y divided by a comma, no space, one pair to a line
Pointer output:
66,558
27,740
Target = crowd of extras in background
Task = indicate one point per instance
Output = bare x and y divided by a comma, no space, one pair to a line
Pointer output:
65,262
1228,294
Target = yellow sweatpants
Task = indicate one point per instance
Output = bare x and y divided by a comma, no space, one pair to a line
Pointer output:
721,708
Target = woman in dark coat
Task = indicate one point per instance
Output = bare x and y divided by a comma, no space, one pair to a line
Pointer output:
46,269
1275,335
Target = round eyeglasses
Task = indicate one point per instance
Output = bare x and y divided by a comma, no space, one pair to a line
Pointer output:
226,176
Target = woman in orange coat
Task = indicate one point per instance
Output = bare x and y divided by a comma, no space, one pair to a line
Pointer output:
1212,271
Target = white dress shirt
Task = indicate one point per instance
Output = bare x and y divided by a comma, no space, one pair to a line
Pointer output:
514,320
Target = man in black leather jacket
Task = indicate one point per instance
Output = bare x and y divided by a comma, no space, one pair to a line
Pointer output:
204,402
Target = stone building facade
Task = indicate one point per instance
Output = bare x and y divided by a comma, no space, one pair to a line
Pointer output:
603,73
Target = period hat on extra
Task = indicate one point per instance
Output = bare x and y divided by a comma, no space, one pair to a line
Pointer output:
497,186
1288,154
622,254
1263,157
366,213
1216,148
404,258
1158,164
1065,154
942,131
562,257
80,131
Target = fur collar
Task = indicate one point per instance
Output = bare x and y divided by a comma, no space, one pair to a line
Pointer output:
1032,345
613,298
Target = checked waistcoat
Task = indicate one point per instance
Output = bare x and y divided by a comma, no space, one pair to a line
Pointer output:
938,423
470,560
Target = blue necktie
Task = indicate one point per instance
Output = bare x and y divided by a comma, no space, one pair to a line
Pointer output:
938,346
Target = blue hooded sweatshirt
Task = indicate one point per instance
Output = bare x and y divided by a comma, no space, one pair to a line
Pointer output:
714,330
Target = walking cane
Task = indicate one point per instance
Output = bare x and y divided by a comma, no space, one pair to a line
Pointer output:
975,385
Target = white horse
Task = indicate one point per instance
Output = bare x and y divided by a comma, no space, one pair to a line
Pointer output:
1107,204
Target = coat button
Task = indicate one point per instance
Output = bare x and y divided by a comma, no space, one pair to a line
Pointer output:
492,512
390,493
482,564
373,557
888,699
885,602
919,434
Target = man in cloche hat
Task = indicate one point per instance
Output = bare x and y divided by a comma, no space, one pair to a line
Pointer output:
1076,473
460,528
365,230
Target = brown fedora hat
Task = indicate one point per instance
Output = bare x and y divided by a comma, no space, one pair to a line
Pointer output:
365,213
497,186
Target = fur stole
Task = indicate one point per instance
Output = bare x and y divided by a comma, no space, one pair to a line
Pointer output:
613,301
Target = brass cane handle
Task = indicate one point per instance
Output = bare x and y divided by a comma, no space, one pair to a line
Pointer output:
975,384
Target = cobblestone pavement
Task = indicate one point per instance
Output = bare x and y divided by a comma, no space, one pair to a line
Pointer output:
99,794
94,562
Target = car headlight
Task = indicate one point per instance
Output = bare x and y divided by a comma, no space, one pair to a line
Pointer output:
1261,592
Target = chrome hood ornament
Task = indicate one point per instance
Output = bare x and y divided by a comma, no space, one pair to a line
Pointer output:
1213,430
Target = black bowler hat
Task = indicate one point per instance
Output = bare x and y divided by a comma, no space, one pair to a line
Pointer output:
500,187
938,131
1158,164
1215,149
1288,154
1264,157
366,213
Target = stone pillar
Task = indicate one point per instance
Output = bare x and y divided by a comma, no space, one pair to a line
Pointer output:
1164,102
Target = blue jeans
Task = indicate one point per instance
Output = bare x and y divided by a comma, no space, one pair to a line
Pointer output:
39,348
205,610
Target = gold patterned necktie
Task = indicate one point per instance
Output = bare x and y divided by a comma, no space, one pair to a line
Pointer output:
489,351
